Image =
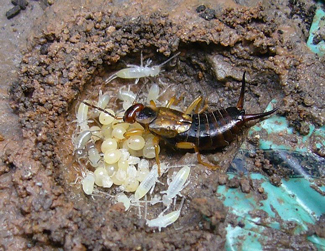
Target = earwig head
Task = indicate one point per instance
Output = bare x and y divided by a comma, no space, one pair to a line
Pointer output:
146,115
140,113
154,71
132,112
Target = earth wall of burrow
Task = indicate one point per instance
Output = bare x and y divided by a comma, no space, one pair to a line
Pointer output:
69,57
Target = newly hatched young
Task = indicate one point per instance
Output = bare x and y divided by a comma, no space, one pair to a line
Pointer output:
82,117
165,220
137,72
93,155
81,141
147,184
176,186
103,100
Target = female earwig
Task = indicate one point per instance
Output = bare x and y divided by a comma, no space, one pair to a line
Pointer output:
198,131
137,72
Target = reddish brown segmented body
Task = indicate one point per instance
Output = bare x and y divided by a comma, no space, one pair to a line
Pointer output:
207,130
212,130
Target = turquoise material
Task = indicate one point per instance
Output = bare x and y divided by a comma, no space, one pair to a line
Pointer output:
279,127
293,201
317,22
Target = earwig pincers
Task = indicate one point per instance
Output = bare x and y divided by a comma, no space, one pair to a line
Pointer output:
198,131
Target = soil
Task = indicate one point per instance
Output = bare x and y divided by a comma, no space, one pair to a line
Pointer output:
76,44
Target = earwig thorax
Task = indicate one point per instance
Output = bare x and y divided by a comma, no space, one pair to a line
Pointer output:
147,115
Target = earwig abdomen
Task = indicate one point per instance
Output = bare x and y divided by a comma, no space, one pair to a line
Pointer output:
212,130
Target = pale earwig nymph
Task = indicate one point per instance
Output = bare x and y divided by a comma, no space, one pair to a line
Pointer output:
186,130
137,72
164,220
176,186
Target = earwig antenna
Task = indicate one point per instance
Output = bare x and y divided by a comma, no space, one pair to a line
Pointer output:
169,59
139,91
100,109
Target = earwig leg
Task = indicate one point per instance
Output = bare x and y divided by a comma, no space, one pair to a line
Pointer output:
133,132
153,103
205,107
171,101
156,144
189,145
194,105
174,100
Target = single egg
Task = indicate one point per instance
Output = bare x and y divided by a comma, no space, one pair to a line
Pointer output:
135,142
112,156
105,118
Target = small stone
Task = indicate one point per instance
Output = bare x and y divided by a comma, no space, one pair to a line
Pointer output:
23,4
200,8
245,185
208,14
44,49
258,163
304,129
75,38
233,183
260,190
13,12
317,39
222,179
309,101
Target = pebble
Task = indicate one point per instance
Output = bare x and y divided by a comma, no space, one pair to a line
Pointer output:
13,12
245,185
208,14
200,8
21,3
233,183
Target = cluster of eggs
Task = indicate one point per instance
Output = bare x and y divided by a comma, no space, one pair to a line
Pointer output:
113,152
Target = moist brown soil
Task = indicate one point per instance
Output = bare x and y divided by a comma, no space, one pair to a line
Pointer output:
76,45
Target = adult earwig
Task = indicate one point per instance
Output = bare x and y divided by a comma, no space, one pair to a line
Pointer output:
198,131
